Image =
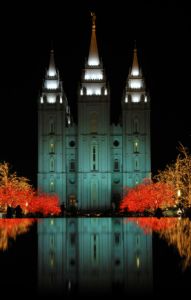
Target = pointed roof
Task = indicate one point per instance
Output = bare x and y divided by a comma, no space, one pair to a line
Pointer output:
52,68
135,65
93,59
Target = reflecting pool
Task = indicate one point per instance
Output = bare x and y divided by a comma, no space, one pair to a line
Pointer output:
71,257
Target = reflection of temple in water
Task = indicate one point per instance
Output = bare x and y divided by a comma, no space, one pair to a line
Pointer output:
90,255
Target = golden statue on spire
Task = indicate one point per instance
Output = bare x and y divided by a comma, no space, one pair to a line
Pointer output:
93,15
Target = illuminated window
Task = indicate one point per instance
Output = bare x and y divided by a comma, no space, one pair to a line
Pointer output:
136,180
52,147
52,186
135,83
136,146
52,84
116,165
137,262
135,98
51,98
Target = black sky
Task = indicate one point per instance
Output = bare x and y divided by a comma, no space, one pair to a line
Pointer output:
162,32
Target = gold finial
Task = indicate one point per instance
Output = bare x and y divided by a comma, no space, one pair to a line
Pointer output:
93,15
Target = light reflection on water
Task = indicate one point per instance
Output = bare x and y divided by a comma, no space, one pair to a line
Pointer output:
11,228
92,256
176,232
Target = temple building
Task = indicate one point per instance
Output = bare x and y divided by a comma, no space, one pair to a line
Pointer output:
89,163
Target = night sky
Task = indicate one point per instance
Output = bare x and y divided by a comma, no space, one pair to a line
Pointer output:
162,32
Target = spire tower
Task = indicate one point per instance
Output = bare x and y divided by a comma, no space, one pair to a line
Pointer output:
93,59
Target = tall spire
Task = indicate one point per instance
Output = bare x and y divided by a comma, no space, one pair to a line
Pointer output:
52,69
135,88
93,59
135,65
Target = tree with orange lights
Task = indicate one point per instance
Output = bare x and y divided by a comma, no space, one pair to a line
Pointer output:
17,191
148,197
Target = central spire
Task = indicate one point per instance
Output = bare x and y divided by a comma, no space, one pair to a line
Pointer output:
135,65
93,59
52,68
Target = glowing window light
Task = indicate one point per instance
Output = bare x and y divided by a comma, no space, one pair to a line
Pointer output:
52,148
135,84
126,99
93,61
61,101
146,99
105,92
93,92
135,72
41,100
135,98
93,76
137,262
52,262
89,92
51,72
51,98
51,84
98,92
81,92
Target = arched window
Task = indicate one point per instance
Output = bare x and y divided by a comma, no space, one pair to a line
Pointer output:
51,126
136,163
116,165
136,146
136,180
52,185
72,165
52,165
94,156
51,146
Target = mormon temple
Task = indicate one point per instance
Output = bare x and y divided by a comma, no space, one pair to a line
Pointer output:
89,164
